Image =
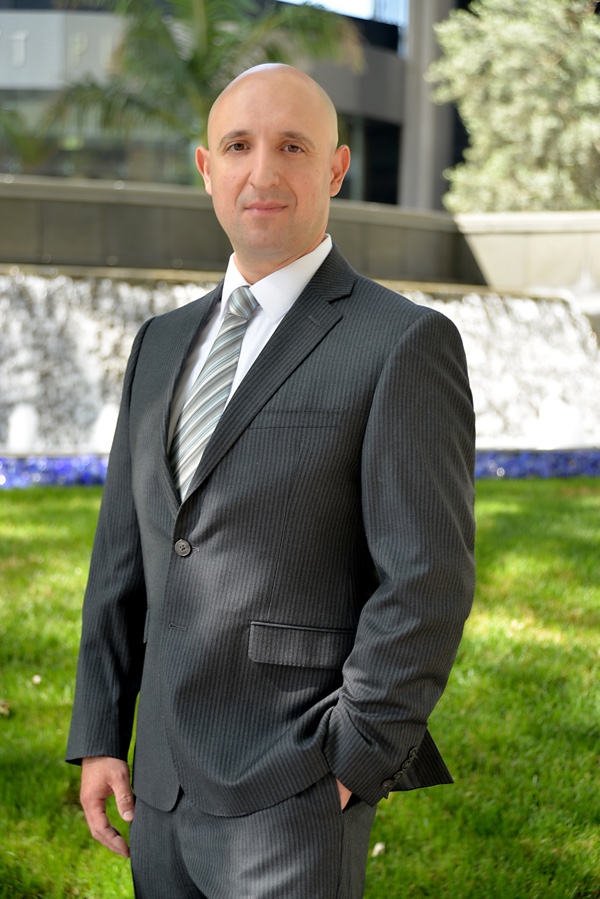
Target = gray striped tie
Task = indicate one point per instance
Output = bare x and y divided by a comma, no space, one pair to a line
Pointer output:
208,397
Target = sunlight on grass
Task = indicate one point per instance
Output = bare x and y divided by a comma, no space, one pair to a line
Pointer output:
519,724
496,627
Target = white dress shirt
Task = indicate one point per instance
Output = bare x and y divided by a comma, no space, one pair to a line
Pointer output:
276,294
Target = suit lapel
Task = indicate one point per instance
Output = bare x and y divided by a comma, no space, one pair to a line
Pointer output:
311,317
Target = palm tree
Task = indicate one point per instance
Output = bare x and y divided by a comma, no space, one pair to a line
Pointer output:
176,56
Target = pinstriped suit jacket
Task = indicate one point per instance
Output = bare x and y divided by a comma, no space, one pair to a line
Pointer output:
300,612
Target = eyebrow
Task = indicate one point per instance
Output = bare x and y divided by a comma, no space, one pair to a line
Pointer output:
287,135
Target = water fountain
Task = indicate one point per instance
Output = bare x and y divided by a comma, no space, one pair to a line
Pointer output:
65,338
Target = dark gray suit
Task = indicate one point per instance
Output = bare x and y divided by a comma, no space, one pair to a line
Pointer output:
300,612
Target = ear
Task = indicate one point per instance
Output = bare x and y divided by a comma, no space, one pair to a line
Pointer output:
203,164
339,166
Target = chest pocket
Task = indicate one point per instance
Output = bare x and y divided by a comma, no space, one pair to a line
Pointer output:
298,418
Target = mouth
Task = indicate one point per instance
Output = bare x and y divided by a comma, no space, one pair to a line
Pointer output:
265,208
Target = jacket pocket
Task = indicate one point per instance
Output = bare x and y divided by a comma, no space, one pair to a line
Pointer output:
301,647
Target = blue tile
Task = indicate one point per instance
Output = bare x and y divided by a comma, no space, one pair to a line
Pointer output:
538,463
91,470
52,470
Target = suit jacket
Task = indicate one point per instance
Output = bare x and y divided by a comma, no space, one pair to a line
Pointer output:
300,611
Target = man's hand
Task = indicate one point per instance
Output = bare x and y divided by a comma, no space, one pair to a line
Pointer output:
345,794
102,776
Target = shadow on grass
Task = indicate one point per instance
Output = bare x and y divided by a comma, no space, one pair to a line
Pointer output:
538,549
18,882
45,544
46,519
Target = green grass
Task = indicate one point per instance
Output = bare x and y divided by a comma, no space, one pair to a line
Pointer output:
519,724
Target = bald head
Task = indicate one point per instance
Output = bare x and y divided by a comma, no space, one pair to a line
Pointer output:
286,81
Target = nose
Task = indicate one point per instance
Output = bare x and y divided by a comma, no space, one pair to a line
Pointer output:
264,172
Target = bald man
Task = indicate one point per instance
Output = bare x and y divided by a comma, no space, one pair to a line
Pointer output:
284,557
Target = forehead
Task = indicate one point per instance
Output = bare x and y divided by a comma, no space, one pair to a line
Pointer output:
280,104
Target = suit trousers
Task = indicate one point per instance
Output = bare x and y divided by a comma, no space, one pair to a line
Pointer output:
305,847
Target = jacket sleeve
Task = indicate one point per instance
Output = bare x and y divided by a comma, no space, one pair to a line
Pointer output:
417,493
112,649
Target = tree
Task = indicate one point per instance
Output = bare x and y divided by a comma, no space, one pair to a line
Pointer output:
16,136
526,80
177,56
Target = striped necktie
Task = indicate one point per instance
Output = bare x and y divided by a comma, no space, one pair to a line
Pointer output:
205,404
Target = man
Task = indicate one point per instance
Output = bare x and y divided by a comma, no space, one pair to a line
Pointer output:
284,586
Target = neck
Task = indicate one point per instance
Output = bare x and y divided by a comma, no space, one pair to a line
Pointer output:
254,270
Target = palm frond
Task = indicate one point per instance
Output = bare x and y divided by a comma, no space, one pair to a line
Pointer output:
312,32
172,64
114,107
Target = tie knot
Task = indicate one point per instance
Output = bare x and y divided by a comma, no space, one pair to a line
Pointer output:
242,302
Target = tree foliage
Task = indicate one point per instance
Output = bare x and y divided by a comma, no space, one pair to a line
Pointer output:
17,137
176,57
526,81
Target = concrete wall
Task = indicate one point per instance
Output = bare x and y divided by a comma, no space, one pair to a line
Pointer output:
51,221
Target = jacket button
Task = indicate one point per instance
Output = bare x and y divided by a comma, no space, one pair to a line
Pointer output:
388,784
182,548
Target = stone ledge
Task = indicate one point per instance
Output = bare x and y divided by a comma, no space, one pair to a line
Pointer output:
527,222
83,190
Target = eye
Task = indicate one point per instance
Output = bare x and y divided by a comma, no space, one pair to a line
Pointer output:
293,148
237,146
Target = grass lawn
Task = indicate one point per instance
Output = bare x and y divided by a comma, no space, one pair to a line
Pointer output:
519,724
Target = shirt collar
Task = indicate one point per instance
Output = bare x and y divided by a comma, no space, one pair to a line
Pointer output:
277,293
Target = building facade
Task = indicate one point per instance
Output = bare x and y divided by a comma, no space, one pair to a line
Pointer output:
401,142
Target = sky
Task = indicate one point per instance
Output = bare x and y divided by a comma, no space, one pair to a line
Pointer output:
362,9
395,10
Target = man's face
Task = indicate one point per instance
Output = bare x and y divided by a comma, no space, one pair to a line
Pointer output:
271,167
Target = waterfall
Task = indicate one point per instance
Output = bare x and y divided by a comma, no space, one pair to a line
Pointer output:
534,365
64,342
